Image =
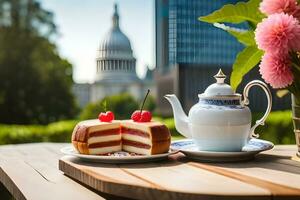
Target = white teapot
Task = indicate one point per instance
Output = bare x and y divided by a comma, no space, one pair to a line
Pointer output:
220,121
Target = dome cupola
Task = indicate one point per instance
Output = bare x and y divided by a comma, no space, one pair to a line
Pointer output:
115,60
115,42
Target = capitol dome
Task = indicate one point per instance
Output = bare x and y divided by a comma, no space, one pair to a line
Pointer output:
115,40
115,60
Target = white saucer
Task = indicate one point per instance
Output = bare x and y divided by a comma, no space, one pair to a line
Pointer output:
189,148
117,158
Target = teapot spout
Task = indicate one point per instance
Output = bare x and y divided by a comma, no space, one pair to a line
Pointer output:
180,118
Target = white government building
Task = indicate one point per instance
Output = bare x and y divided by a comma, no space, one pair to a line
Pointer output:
116,69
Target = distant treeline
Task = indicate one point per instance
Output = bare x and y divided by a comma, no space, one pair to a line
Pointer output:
35,82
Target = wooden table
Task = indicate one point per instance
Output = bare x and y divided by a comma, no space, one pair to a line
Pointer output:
30,171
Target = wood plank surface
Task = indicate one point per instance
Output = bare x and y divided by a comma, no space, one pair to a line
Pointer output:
30,171
272,175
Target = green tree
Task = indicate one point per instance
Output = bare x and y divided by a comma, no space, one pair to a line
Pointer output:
35,81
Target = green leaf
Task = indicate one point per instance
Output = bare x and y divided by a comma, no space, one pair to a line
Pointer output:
245,61
237,13
246,37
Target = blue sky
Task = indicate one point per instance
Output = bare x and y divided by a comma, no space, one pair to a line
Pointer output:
83,24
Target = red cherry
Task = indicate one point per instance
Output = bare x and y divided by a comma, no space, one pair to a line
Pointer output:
106,117
102,117
146,116
110,116
136,116
140,115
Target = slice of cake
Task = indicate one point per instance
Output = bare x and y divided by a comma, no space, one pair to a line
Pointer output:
146,138
95,137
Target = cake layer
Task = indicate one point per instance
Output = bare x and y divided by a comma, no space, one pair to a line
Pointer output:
98,139
101,126
136,132
136,150
115,131
135,144
156,130
83,129
156,148
126,136
142,126
105,150
104,144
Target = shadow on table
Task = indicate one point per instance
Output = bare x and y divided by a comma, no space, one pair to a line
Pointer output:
4,193
267,161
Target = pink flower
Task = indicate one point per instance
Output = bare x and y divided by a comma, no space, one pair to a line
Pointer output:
270,7
276,70
278,33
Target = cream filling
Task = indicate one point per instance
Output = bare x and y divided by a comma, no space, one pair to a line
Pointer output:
104,150
136,126
136,138
137,150
104,126
97,139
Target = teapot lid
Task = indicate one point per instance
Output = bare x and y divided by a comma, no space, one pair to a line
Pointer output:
219,89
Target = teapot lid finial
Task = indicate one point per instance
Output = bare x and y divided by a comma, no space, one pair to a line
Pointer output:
220,88
220,76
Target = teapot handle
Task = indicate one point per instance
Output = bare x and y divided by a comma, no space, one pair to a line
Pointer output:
246,102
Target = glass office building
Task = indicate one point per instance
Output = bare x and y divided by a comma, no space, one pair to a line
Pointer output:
189,52
192,41
189,41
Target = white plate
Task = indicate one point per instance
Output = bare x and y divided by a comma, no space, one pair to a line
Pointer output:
118,157
189,148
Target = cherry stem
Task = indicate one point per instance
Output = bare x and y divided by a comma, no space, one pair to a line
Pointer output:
104,105
145,100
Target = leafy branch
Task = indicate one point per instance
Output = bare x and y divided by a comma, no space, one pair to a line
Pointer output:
238,13
246,37
246,60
